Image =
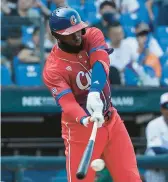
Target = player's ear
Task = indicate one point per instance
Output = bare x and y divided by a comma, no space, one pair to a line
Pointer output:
83,31
54,34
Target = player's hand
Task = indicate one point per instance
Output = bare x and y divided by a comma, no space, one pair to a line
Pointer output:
86,120
94,103
98,117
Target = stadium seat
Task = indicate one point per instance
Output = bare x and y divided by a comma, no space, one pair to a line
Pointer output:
128,19
5,76
164,77
130,76
90,9
28,75
129,31
142,12
16,62
52,4
73,3
155,9
164,60
162,37
27,32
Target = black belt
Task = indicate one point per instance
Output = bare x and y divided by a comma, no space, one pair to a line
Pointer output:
108,115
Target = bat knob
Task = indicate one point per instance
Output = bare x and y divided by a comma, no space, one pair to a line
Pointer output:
80,175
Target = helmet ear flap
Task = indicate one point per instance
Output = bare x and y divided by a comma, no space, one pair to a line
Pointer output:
54,34
83,31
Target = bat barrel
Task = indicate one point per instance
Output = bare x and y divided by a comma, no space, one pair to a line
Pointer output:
84,164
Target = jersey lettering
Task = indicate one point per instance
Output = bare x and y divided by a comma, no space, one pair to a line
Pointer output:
79,81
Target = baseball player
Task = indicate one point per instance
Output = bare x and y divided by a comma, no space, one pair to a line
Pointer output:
157,139
76,73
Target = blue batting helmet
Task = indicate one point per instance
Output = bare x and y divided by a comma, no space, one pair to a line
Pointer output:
65,21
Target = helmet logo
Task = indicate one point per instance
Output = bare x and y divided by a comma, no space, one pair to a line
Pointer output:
73,20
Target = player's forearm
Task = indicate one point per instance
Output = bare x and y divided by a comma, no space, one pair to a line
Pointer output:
99,77
94,103
71,108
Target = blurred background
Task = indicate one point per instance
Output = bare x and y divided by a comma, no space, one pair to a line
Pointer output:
31,146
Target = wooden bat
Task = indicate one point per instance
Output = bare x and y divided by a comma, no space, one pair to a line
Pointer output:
85,160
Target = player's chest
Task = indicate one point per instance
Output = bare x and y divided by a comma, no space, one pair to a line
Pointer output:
79,71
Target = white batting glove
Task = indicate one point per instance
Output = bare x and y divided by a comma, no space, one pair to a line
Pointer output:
85,121
94,103
96,117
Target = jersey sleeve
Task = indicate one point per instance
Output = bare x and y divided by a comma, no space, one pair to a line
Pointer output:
98,49
56,84
63,95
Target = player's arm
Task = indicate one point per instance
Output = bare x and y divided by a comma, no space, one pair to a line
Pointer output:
63,95
98,50
99,60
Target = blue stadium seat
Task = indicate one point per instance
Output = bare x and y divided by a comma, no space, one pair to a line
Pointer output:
73,3
164,77
129,31
130,76
28,75
164,60
44,2
52,4
141,15
16,62
142,12
155,9
90,10
27,32
162,37
5,76
128,19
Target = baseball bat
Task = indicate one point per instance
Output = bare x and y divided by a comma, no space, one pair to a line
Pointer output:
85,160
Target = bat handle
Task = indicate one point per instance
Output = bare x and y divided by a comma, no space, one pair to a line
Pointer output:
94,131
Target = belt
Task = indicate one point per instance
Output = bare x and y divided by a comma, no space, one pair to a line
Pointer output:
108,114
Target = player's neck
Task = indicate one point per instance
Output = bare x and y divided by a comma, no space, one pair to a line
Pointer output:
70,49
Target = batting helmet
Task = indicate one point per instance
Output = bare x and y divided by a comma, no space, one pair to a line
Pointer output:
65,21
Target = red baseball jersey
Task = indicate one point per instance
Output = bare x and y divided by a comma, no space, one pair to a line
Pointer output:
68,75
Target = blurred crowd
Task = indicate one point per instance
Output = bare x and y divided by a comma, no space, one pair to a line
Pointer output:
136,29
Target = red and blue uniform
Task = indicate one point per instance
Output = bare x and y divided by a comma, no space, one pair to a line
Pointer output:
68,77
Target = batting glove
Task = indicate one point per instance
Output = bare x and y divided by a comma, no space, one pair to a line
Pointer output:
86,120
96,117
94,103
